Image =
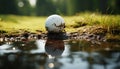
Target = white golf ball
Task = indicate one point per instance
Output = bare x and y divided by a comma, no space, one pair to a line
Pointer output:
55,23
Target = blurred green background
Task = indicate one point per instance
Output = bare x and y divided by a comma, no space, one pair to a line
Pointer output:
63,7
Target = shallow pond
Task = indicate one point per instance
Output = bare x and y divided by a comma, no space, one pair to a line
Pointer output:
59,54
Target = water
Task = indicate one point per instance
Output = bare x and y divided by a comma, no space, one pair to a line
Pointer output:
59,54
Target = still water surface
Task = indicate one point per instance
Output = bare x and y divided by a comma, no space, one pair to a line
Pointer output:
59,54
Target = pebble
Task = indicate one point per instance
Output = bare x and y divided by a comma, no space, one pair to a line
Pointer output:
26,36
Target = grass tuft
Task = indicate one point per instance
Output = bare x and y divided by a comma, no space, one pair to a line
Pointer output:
12,23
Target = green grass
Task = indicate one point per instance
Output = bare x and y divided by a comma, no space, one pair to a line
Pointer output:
109,22
11,23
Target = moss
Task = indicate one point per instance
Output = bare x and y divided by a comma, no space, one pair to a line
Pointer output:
84,22
3,31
